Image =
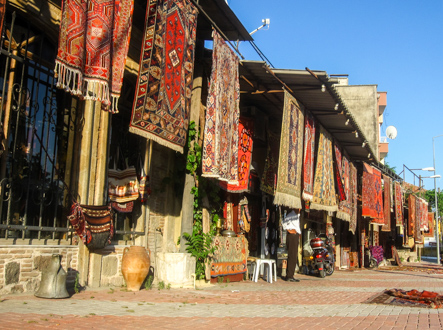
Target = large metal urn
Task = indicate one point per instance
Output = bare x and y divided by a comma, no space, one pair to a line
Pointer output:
53,283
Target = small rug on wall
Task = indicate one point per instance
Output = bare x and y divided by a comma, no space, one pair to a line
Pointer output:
412,298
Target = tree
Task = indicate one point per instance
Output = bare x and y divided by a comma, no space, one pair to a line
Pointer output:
430,197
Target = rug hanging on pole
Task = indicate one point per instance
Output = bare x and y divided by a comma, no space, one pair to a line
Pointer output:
163,95
93,45
308,157
345,205
411,215
398,204
220,145
268,182
289,182
386,203
324,188
372,199
246,134
354,198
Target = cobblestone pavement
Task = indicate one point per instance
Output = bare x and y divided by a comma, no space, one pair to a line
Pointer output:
335,302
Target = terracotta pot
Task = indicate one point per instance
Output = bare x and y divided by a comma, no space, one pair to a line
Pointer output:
135,266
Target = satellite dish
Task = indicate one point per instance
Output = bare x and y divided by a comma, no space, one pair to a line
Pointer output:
391,132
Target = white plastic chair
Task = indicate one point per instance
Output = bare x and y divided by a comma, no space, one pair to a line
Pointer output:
272,266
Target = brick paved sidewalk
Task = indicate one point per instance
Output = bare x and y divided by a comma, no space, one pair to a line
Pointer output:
335,302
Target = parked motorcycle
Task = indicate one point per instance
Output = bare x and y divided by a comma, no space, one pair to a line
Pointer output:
318,255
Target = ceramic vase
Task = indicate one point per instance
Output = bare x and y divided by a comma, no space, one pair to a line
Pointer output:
135,266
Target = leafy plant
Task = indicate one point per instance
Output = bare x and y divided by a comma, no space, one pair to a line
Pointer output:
199,243
76,283
161,285
148,282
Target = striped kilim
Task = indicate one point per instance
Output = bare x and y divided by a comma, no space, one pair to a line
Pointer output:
93,45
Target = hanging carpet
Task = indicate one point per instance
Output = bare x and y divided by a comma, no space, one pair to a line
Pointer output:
289,180
343,173
220,145
338,173
163,94
354,197
2,15
411,215
308,157
386,203
246,132
431,224
418,214
398,204
93,45
324,188
423,215
372,201
268,182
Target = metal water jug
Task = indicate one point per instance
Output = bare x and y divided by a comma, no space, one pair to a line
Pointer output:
53,283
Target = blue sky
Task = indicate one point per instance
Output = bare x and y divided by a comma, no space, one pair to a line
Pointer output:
395,44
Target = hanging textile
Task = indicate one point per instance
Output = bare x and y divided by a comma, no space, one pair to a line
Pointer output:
411,215
372,201
338,173
246,132
92,49
345,206
220,145
418,215
354,198
324,188
269,178
288,192
398,205
309,155
423,215
163,94
386,203
2,16
431,225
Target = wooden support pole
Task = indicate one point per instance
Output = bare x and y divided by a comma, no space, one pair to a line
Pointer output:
188,198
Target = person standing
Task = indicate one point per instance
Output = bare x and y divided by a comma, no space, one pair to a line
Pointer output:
291,223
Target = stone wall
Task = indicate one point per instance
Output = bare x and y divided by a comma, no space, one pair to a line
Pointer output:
21,266
111,274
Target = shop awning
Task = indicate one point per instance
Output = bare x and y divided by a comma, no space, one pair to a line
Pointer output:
262,88
223,16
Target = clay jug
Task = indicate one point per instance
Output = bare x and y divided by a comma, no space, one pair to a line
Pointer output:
135,266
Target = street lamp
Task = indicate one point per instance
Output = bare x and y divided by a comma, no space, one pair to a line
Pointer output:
436,203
